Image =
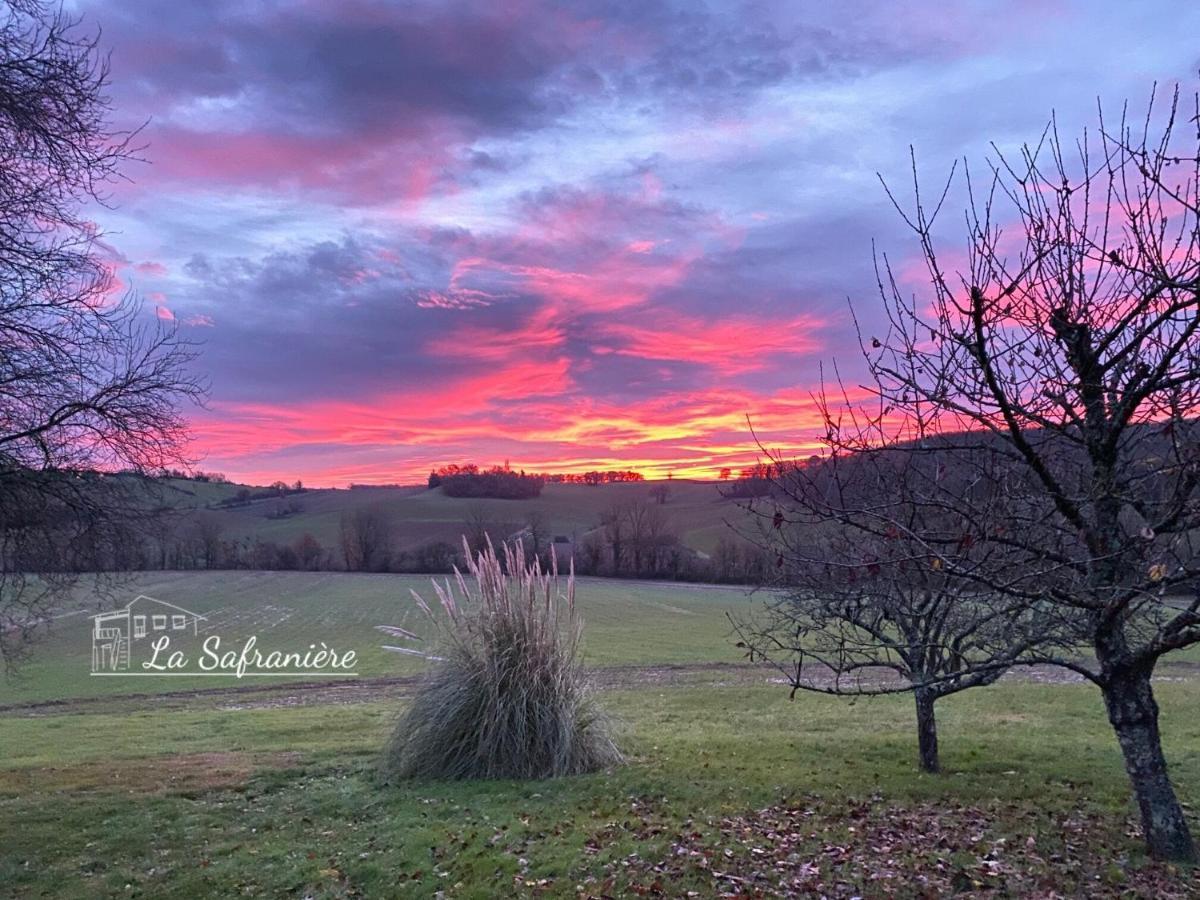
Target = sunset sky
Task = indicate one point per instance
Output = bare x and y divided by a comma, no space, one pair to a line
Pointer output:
569,235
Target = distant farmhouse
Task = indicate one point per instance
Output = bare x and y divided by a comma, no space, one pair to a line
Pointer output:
115,634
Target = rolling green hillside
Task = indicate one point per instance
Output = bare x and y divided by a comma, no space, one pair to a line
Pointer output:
695,511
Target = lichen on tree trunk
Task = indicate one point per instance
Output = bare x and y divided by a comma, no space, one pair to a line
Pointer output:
1133,712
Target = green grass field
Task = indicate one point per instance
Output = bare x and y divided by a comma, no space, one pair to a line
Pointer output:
627,622
215,798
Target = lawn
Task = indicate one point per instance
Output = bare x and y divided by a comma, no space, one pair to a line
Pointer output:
727,783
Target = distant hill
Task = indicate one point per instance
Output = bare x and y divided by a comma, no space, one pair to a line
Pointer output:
695,510
695,513
416,528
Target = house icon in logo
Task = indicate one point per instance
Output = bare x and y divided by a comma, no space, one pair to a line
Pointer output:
115,634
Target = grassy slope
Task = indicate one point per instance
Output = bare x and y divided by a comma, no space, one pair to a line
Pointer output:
696,511
188,494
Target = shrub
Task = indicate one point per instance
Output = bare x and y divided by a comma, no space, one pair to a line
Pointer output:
506,696
435,556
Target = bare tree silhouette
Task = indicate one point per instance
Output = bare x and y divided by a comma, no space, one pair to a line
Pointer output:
86,387
1057,365
871,608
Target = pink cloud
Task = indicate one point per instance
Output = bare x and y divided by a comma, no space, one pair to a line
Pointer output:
381,167
454,299
729,345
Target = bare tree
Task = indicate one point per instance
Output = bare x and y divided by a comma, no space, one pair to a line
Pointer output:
591,553
308,552
86,388
614,526
870,608
724,559
207,528
366,538
1063,350
481,525
647,528
538,527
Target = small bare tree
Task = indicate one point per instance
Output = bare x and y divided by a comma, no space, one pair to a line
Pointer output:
1063,349
538,527
615,528
481,525
208,530
88,389
308,552
366,539
869,607
649,536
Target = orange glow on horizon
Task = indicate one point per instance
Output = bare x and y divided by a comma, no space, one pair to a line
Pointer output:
684,437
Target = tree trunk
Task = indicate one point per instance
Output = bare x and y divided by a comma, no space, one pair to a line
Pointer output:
927,739
1133,713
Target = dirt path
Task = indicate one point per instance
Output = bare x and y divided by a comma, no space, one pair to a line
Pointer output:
364,690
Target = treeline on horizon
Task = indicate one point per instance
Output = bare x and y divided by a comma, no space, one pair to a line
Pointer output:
468,480
501,482
472,480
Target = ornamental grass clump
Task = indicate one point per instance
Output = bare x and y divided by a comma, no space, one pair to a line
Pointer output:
506,695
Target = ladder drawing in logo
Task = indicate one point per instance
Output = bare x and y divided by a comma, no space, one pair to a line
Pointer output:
115,635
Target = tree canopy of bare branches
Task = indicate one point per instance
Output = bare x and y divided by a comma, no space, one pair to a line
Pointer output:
869,607
366,539
87,387
1053,370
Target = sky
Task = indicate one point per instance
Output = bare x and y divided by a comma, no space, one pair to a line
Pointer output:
565,235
